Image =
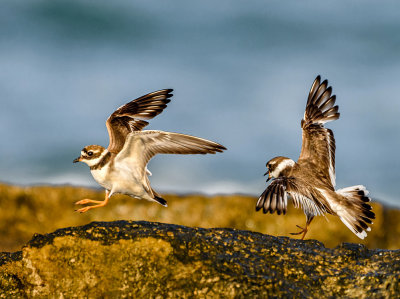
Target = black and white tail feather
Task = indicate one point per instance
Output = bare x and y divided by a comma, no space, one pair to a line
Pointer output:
356,214
160,200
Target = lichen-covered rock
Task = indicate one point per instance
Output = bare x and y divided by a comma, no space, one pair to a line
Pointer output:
43,209
143,259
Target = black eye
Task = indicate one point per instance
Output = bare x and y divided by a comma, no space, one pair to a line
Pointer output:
90,154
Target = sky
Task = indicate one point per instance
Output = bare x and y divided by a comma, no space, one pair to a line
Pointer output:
241,72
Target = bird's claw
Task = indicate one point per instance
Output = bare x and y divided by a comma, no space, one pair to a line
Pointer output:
303,231
83,210
86,200
97,203
82,202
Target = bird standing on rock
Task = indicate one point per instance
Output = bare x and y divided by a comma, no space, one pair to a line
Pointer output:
310,182
122,167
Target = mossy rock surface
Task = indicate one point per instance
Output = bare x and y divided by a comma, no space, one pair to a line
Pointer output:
147,259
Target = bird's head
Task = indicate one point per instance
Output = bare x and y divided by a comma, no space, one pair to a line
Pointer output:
91,155
278,166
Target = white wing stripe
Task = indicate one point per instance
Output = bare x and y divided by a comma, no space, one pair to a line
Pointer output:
331,167
309,207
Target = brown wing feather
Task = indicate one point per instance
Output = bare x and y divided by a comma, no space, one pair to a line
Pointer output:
131,117
140,147
159,142
318,142
274,198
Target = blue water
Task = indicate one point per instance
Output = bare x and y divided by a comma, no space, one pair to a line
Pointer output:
241,73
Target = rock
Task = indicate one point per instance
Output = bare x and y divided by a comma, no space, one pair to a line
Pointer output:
147,259
43,209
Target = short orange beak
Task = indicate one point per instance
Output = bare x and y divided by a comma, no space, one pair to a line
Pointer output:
77,160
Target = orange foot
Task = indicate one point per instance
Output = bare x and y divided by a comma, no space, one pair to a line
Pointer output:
303,231
98,203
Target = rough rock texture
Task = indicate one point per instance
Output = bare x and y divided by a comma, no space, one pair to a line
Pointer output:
144,259
27,210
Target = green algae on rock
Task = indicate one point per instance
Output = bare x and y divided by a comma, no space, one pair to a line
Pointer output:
145,259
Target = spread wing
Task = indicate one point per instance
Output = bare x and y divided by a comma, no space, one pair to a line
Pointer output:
319,146
275,197
140,147
131,117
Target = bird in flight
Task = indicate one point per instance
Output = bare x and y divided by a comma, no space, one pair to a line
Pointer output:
310,182
122,167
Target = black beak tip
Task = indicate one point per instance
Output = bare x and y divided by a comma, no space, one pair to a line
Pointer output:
76,160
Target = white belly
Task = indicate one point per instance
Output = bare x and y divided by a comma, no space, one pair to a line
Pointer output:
101,177
120,180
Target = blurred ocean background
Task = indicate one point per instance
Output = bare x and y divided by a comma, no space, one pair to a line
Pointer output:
241,72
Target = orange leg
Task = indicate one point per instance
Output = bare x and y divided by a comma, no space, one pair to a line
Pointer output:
303,230
98,202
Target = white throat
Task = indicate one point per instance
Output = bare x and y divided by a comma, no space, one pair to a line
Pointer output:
93,162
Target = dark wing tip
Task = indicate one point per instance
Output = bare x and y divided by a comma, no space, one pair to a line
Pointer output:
165,90
167,93
216,148
221,148
328,90
313,88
